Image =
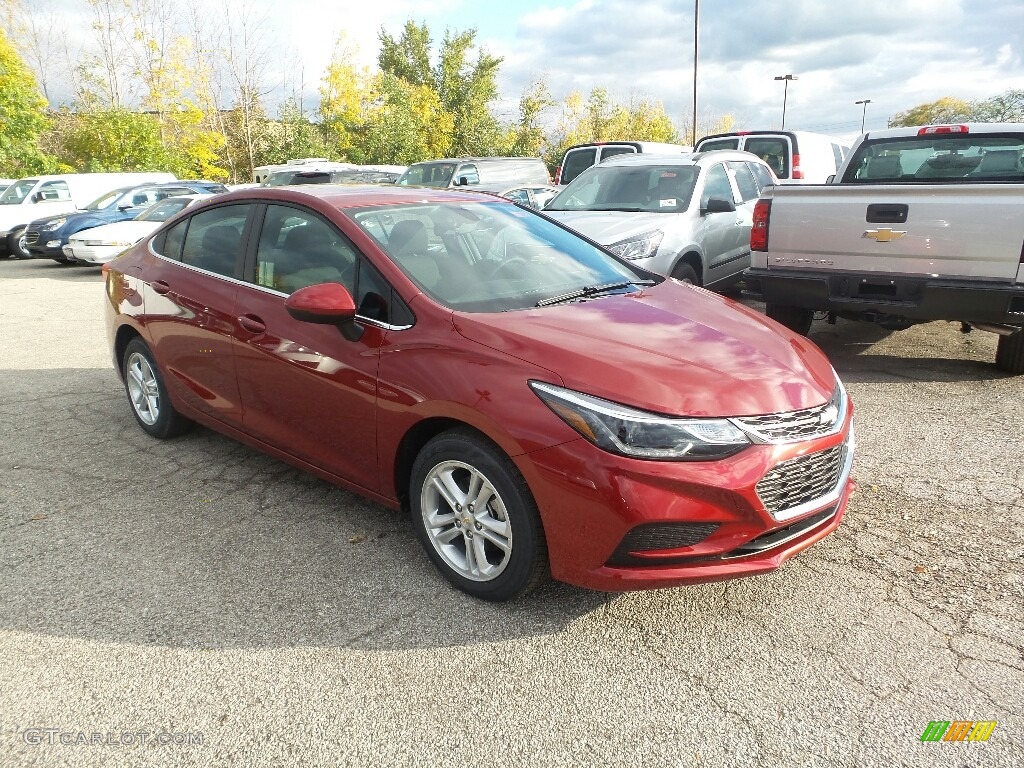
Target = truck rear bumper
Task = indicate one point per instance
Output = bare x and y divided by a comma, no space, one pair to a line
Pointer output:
912,297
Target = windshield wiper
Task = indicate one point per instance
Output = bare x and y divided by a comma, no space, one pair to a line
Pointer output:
588,291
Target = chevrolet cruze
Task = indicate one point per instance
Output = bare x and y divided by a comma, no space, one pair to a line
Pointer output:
539,405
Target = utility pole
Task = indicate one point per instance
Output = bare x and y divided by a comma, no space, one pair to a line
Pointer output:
785,94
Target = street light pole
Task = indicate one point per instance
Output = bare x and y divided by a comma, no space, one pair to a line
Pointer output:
696,27
785,94
864,112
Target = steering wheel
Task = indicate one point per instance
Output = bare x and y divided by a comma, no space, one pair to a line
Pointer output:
515,263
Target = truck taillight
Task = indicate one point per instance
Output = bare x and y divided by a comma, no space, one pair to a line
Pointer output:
932,129
558,175
797,173
759,227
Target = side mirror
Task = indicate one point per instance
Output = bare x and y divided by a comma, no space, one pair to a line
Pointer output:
125,207
327,304
719,205
462,181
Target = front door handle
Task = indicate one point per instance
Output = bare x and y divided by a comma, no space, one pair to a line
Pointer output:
252,324
161,287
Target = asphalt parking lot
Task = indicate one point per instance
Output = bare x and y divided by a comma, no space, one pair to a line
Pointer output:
197,591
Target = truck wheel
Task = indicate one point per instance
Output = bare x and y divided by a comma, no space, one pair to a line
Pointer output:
16,244
795,318
1010,353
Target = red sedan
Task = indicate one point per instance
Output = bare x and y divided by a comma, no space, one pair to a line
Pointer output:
539,405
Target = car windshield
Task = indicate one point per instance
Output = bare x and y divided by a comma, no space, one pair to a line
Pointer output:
163,211
939,158
652,188
428,175
107,200
493,256
15,193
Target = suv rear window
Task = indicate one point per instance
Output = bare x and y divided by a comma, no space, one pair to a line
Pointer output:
942,158
576,162
773,150
708,146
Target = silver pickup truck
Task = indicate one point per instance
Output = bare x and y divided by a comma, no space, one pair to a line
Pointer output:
920,224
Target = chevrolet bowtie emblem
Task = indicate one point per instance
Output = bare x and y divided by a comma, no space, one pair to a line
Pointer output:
884,235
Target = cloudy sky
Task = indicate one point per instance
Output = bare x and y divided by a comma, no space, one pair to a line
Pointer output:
897,53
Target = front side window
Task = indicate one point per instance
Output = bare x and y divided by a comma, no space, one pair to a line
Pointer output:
54,190
108,199
297,248
716,185
491,256
213,239
653,188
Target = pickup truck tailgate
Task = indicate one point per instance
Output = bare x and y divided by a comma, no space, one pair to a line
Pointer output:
935,230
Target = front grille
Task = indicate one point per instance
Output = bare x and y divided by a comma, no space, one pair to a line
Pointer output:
654,536
801,480
793,426
31,238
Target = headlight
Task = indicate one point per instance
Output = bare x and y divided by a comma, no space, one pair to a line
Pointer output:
52,225
640,434
638,247
118,243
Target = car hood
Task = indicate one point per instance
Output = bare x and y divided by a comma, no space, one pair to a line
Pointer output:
670,349
126,231
609,227
74,216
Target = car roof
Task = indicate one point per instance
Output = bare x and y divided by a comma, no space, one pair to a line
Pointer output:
350,196
686,158
913,130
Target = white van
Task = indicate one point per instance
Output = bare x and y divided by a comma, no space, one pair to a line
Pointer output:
262,172
36,197
480,172
581,156
797,157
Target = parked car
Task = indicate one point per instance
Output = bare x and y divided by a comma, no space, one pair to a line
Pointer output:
487,172
99,245
261,173
45,238
581,156
36,196
795,157
536,404
686,216
535,197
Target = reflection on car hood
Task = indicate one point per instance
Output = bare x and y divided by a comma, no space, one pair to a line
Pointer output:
670,349
608,227
126,231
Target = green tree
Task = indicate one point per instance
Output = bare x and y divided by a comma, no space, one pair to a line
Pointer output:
525,138
347,92
113,140
944,110
405,125
1007,107
23,118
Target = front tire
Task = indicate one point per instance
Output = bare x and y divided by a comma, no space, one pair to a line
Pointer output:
476,518
1010,353
685,273
16,245
796,319
148,395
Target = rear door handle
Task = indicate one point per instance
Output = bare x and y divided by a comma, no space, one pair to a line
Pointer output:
252,324
161,287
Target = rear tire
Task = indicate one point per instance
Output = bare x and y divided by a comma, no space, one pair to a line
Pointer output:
147,394
797,319
476,518
1010,353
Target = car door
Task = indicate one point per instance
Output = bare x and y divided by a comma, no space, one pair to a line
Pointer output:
305,388
189,300
719,233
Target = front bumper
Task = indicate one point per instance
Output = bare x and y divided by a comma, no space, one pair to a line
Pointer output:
916,298
45,245
92,254
593,503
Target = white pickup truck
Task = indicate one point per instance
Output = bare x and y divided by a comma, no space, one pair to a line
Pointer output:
920,224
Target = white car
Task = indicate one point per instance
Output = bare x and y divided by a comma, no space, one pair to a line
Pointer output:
101,244
687,216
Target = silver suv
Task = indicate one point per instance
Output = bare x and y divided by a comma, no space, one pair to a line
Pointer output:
686,216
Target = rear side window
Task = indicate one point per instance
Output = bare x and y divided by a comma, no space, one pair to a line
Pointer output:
168,243
607,152
744,180
54,190
214,238
576,162
774,150
708,146
761,174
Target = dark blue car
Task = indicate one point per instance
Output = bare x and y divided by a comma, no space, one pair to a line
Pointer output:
45,238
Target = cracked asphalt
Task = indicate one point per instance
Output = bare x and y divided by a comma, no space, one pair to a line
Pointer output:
198,587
